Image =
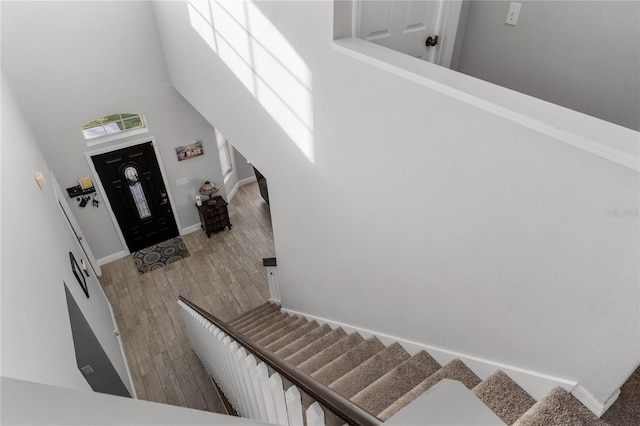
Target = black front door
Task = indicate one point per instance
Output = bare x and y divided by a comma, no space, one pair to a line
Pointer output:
136,191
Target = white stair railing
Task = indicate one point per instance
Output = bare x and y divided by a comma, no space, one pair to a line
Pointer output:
247,384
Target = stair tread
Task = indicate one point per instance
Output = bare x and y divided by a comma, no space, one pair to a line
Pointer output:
255,317
504,396
316,346
286,328
454,370
269,326
292,336
259,320
251,313
339,349
559,408
384,391
368,370
303,341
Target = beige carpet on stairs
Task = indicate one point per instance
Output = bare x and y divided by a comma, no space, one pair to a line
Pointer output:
454,370
559,408
365,373
508,400
383,380
303,341
349,350
386,390
315,347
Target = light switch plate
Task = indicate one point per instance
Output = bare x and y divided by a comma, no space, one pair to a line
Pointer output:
182,181
513,13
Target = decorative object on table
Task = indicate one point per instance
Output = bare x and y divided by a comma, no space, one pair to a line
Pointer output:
186,152
214,216
208,189
159,255
79,274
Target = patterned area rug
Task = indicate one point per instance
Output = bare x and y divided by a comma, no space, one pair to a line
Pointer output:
159,255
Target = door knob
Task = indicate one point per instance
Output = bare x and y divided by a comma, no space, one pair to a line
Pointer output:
431,41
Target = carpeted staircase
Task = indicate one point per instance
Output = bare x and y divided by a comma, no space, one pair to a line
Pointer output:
384,379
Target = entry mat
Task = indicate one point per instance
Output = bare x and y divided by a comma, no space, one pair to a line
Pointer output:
159,255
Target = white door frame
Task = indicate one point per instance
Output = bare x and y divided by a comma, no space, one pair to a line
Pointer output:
100,187
447,29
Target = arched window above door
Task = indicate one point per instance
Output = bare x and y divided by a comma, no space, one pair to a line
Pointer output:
114,126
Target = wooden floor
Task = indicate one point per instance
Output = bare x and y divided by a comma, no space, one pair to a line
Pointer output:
224,275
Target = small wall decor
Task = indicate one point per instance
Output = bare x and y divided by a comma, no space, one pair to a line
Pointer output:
186,152
78,272
82,192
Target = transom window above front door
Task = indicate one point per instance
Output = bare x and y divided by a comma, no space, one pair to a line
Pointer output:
114,126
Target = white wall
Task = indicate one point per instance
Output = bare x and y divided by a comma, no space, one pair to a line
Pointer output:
69,407
583,55
427,218
37,343
71,62
244,169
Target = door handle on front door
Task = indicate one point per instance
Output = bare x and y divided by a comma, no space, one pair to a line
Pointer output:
163,194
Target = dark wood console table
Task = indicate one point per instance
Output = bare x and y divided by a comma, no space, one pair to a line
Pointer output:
214,216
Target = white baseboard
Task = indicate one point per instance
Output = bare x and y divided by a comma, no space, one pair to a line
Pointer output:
240,183
112,257
538,385
189,229
588,400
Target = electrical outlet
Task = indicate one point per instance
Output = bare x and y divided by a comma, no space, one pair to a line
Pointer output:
86,370
513,14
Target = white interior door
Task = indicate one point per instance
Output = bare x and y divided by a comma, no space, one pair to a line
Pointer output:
404,26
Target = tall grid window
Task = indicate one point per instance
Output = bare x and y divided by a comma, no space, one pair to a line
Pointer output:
225,155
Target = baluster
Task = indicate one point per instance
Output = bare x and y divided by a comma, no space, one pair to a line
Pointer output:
270,405
241,358
294,406
277,390
231,348
257,389
315,415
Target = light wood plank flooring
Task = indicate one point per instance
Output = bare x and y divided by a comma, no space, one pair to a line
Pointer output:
223,275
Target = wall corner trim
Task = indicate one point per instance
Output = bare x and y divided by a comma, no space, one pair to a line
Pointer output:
240,183
598,137
189,229
588,400
112,257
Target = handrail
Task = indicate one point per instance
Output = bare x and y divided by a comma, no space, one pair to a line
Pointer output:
339,405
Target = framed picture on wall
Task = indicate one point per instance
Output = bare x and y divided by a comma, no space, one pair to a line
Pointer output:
186,152
77,271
